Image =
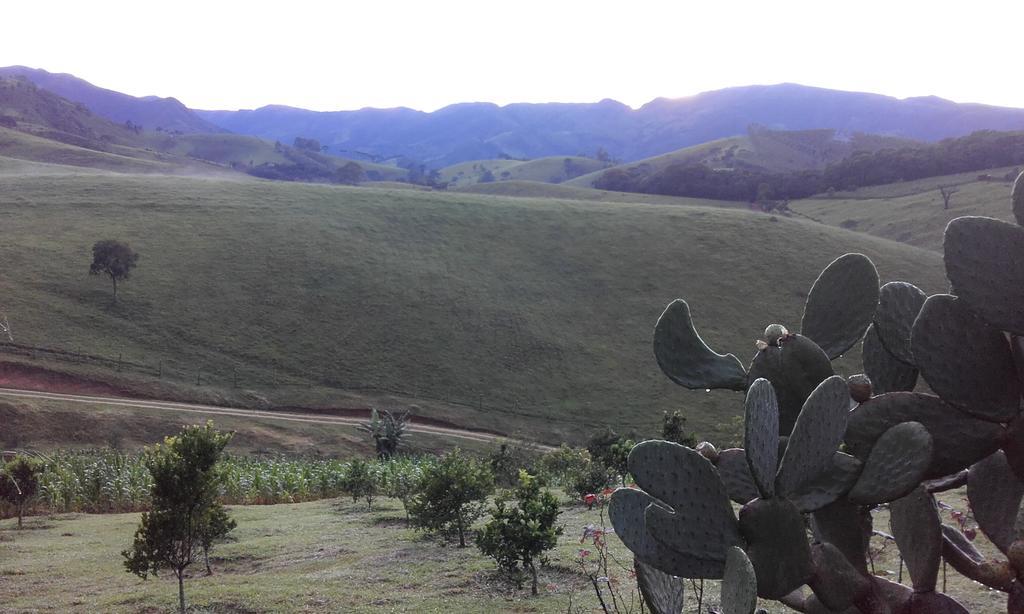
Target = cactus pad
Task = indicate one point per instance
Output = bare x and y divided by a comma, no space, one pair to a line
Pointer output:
899,303
841,304
1018,199
664,593
1013,446
965,361
687,360
915,525
739,584
847,527
887,373
735,474
985,263
829,485
795,369
627,516
835,583
776,545
897,463
701,522
817,434
962,439
934,603
761,435
995,495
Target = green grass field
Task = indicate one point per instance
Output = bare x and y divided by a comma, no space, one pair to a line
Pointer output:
554,169
19,145
536,189
335,556
529,316
912,212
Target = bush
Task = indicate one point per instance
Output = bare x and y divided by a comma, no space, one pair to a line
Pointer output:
518,534
673,428
452,495
19,483
590,478
509,459
361,479
401,479
611,450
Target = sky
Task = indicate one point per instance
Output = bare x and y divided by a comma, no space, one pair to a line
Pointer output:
335,55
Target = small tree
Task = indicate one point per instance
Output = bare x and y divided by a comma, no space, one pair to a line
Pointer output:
673,428
387,430
184,520
401,479
452,495
947,192
113,259
215,528
361,480
19,483
518,534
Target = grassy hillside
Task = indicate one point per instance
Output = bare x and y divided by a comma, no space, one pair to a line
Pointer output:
28,147
555,169
912,212
525,315
535,189
761,148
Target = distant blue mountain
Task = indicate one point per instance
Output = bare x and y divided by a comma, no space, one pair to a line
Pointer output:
482,130
149,112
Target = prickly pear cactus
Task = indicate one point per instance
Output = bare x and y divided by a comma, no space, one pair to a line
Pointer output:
823,452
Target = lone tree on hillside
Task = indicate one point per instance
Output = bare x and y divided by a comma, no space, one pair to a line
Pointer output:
947,192
114,259
186,518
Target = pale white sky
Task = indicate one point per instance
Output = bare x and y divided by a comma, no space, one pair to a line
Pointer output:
343,54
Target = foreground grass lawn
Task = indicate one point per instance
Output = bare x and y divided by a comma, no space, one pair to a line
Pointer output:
336,556
326,556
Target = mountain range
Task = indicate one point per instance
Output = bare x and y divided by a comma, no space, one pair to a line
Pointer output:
476,131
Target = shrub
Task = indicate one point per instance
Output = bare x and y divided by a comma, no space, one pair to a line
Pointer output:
508,459
518,534
19,483
452,494
361,479
590,478
401,479
673,428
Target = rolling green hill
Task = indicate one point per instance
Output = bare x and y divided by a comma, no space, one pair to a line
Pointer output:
535,189
555,169
38,125
912,212
763,149
521,315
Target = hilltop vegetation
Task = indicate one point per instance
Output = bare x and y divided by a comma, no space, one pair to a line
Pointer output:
759,149
698,177
543,170
913,212
527,315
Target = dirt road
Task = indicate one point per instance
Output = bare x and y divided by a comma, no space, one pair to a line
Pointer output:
239,412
